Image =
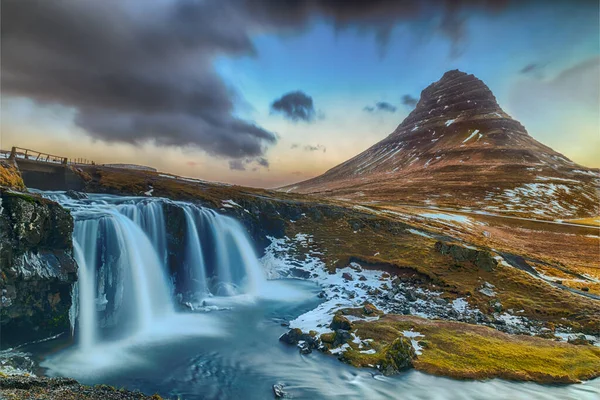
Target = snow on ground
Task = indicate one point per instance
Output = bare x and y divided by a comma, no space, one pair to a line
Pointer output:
544,198
420,233
352,286
450,122
554,178
475,132
565,336
415,344
230,204
448,217
460,305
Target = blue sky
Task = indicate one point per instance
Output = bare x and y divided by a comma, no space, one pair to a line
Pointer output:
345,70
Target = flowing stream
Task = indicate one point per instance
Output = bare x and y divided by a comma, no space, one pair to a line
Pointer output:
131,327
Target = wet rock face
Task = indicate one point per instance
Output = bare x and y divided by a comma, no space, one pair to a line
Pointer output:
461,255
37,266
305,342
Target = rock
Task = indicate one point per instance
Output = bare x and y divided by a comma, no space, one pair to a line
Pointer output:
328,338
305,342
341,337
462,255
76,195
497,306
439,301
410,295
291,337
278,391
347,276
299,273
32,387
580,340
370,309
356,225
38,269
340,322
399,356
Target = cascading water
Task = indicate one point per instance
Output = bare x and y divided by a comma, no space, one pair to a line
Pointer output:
223,260
121,247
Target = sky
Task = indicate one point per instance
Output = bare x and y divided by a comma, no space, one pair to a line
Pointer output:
265,93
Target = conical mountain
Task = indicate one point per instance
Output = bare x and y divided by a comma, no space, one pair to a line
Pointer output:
459,148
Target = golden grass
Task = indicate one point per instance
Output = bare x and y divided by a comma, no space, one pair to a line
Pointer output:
413,258
10,177
466,351
592,221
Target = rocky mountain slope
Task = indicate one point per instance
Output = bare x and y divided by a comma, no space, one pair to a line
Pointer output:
459,148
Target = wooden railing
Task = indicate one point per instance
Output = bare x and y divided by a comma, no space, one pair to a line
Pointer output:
34,155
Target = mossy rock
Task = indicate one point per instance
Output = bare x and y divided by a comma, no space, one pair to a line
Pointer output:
398,357
340,322
328,338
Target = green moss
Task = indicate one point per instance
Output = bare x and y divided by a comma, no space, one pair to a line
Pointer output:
22,196
467,351
340,322
60,320
328,337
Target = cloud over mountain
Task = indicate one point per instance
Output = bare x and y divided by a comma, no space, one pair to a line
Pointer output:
295,106
381,106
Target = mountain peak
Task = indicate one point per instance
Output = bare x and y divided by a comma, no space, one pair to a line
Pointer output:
456,96
459,146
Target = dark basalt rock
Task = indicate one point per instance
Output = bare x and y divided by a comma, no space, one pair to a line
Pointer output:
76,195
461,255
37,266
341,337
305,341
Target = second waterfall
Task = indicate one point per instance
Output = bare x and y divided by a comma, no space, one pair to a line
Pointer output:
132,268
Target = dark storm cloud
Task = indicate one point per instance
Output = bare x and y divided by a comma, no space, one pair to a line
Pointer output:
381,106
130,77
136,71
295,106
241,164
237,165
263,162
409,101
378,17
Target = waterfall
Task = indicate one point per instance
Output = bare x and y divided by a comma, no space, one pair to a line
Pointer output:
85,290
224,262
122,249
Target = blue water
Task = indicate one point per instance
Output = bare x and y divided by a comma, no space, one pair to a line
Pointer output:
241,358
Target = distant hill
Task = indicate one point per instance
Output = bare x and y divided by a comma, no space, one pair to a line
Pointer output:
131,166
459,148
